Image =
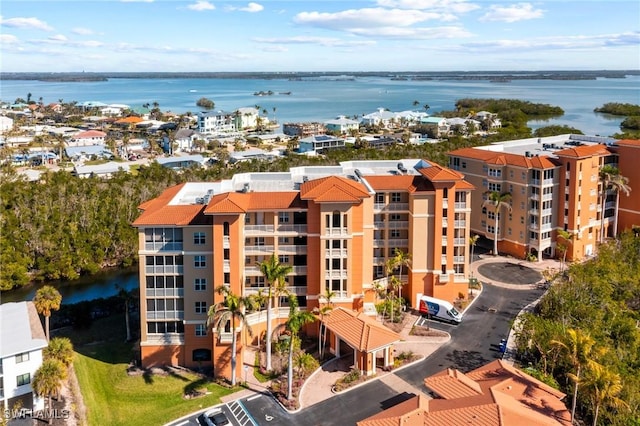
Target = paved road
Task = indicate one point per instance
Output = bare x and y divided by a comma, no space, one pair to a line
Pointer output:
473,343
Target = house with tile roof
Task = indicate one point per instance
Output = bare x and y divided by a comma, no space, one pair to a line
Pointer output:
341,125
554,184
336,226
494,394
22,340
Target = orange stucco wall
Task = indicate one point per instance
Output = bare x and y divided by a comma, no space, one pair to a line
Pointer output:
157,356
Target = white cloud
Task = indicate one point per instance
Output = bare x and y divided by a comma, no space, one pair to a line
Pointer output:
8,39
82,31
26,23
557,43
514,13
368,17
275,49
201,5
58,37
322,41
414,33
451,6
252,8
136,1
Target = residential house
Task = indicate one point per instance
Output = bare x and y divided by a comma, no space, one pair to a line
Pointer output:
381,117
88,152
100,170
438,125
212,122
89,137
182,161
22,340
488,120
6,124
341,125
462,126
496,394
318,143
246,118
303,130
183,140
336,226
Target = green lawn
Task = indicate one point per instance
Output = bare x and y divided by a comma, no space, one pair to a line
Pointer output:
114,398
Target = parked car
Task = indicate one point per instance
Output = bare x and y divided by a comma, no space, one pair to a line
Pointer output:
213,418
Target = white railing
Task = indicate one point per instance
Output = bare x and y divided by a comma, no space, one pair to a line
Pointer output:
258,250
335,252
379,260
398,224
444,240
258,229
398,206
443,259
459,241
399,243
547,197
379,206
226,241
295,229
252,271
328,275
164,269
161,315
445,203
445,222
164,292
379,243
160,246
292,249
546,182
460,205
335,231
547,212
226,265
458,259
300,270
460,223
379,224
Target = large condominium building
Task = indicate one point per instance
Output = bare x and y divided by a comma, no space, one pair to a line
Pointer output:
335,225
555,184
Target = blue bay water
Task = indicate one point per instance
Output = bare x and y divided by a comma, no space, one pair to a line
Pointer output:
320,100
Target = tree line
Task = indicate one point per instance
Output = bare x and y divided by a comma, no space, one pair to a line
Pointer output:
584,335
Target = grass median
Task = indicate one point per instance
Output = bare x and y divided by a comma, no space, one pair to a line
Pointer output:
113,397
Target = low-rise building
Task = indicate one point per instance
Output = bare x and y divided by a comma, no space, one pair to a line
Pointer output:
302,130
318,143
22,340
212,122
341,125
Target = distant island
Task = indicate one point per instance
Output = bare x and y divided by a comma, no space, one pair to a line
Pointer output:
494,76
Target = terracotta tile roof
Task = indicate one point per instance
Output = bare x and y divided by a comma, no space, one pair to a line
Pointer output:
450,384
157,211
464,185
504,158
437,173
129,120
91,134
359,331
229,202
494,394
391,183
629,142
333,189
583,151
275,201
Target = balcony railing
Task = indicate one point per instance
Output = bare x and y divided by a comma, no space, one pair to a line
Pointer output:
378,243
458,259
299,270
161,315
226,241
460,205
398,206
292,229
164,292
445,241
164,269
160,246
459,241
328,275
445,203
335,253
258,250
398,224
301,249
460,223
398,243
335,231
258,229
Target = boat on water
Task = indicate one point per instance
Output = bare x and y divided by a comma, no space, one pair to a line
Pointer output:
192,91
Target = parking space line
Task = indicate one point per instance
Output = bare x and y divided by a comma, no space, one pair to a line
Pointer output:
240,414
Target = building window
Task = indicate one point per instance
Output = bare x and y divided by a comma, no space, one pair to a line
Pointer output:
395,197
283,259
378,271
259,241
199,238
490,229
395,233
23,357
201,307
200,284
283,217
202,355
495,187
199,261
495,172
23,379
394,217
201,330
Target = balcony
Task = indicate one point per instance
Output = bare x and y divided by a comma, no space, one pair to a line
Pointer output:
329,275
301,249
458,259
444,240
334,232
398,243
443,259
164,292
299,270
379,225
226,242
459,223
379,243
292,229
252,271
445,203
398,206
547,197
377,260
379,206
164,269
163,246
460,205
165,315
259,250
459,241
335,253
258,229
445,222
398,224
226,265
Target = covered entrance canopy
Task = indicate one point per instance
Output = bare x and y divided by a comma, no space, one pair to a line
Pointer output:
368,339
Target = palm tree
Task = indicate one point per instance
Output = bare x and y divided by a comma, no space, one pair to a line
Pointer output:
259,299
568,237
59,348
612,179
47,299
579,349
230,310
416,103
604,387
297,319
400,260
274,273
47,380
498,201
473,241
126,298
328,296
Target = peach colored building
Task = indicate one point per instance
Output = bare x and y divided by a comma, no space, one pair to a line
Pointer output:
628,161
554,184
494,394
335,225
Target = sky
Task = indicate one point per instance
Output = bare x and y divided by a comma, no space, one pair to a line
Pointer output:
328,35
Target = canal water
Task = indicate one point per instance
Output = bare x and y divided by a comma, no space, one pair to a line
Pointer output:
83,289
